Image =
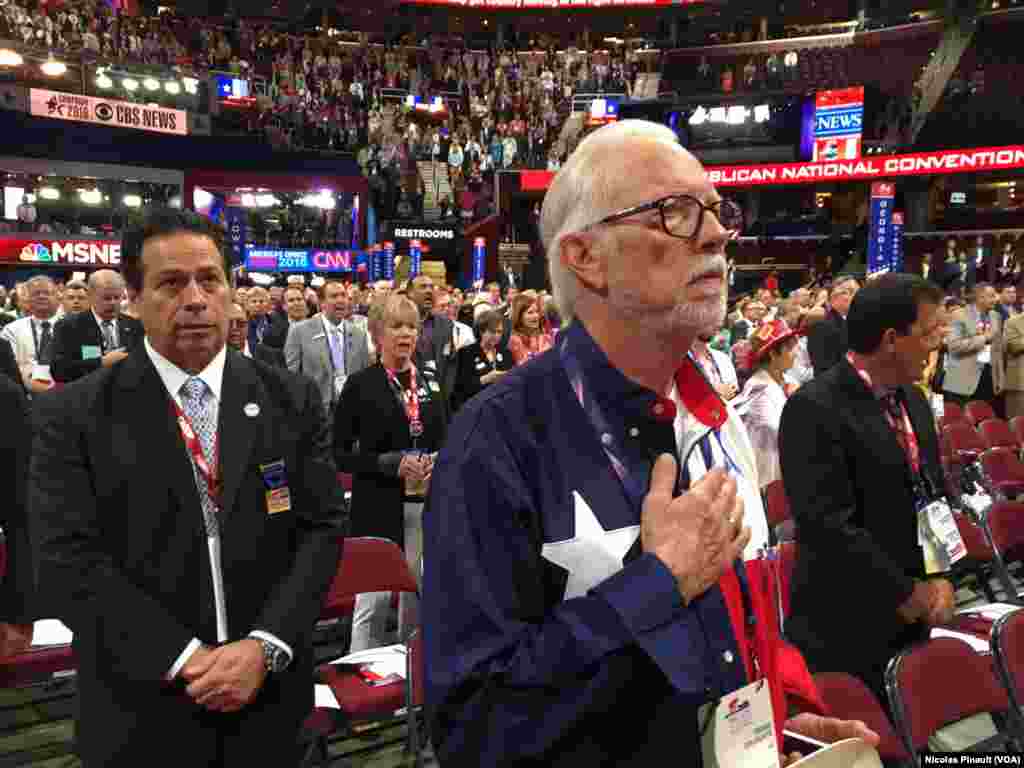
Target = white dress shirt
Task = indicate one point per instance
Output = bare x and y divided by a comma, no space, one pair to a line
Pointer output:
114,331
173,379
24,335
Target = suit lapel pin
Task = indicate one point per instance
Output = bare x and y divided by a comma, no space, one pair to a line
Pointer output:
252,410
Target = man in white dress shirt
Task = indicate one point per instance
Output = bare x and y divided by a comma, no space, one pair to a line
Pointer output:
31,336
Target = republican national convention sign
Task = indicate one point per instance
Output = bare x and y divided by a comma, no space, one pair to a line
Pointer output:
838,123
870,168
60,252
303,260
118,114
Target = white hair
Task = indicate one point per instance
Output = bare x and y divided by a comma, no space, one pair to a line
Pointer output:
105,278
32,282
581,193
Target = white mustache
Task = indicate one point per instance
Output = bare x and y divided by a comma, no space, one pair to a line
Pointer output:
715,264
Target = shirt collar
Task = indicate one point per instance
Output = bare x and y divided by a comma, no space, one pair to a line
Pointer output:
99,320
615,392
174,377
878,391
328,325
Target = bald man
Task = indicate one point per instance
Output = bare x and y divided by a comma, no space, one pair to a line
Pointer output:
100,338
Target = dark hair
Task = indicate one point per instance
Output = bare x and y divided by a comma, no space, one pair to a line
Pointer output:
161,222
888,301
489,320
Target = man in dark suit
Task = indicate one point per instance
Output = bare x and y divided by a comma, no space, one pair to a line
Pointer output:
9,364
826,341
90,340
859,451
435,348
18,584
180,502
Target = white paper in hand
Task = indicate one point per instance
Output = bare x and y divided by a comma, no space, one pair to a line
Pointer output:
48,633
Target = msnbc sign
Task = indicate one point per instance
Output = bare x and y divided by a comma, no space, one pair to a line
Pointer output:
53,252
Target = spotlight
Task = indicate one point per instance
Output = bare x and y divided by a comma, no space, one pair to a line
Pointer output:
102,81
151,84
91,196
132,201
10,58
172,87
191,85
49,193
53,68
130,84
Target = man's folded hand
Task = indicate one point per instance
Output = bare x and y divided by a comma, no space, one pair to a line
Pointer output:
229,677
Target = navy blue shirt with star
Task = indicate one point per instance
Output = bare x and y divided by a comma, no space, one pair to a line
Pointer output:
550,638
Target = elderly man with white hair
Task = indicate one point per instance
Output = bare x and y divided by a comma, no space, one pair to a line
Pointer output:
87,341
31,336
586,600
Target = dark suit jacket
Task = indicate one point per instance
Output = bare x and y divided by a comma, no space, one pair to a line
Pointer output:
9,364
827,343
276,333
18,584
370,423
444,359
123,560
850,489
74,332
472,364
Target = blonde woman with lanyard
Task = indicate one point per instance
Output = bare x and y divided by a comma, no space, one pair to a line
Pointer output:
388,426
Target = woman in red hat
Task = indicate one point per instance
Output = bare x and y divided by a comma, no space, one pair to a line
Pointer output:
773,352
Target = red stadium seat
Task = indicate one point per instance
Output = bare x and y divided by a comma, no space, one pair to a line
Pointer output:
849,699
941,682
367,565
966,443
978,411
997,434
952,412
1005,471
1007,641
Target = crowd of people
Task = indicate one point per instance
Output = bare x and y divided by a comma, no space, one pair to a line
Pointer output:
576,477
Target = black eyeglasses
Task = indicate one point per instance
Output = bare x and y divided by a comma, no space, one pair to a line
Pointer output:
682,215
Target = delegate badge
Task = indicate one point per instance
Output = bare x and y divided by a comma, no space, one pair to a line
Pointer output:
275,478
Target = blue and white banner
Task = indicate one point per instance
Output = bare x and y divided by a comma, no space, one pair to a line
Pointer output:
415,258
387,267
479,261
236,219
896,243
883,197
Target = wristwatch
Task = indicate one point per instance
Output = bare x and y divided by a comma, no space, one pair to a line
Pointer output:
275,659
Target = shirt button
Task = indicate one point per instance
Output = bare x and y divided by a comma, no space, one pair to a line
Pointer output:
729,658
606,439
634,432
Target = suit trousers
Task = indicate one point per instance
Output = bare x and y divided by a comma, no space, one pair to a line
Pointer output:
984,392
1014,403
372,614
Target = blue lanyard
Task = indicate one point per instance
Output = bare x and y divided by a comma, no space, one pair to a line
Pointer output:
633,480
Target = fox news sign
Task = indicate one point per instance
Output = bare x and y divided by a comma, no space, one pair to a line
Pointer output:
838,124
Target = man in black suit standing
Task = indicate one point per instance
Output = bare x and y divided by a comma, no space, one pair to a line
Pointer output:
859,455
435,348
90,340
18,584
9,364
180,501
826,341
